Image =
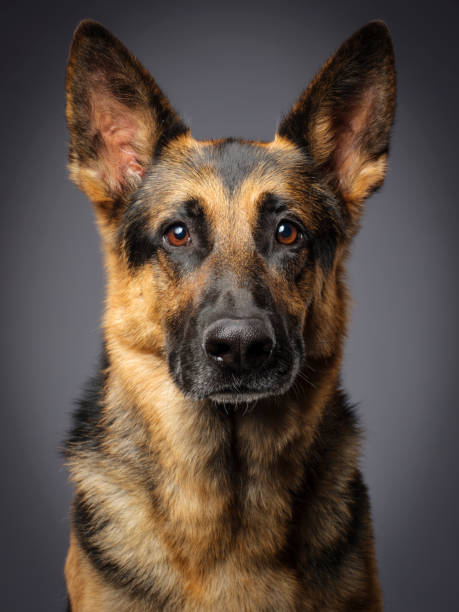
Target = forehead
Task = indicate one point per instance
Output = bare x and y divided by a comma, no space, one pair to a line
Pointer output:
234,161
224,176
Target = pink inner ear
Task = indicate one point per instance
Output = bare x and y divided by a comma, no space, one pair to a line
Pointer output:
349,155
120,132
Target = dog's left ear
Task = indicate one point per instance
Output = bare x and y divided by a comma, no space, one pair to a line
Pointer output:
117,116
343,119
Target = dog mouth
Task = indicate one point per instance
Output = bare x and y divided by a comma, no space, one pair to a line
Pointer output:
201,379
252,390
235,360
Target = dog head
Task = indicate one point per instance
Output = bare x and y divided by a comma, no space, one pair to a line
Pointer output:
224,258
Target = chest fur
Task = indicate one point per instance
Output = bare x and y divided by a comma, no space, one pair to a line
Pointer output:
191,542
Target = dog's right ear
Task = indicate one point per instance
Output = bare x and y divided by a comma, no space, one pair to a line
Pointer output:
117,116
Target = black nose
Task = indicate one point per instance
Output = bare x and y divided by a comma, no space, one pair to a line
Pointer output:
238,344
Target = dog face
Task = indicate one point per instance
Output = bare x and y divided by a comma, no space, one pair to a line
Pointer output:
224,258
223,229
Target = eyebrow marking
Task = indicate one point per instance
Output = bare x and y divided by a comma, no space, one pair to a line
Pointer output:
192,208
272,203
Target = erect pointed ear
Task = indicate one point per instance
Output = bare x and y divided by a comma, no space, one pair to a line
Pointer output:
343,119
117,116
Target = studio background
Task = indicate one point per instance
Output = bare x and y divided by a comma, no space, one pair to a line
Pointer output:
231,69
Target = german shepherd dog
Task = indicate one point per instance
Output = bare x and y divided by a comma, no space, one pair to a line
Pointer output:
214,455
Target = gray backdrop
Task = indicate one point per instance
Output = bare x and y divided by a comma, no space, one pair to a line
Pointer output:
231,70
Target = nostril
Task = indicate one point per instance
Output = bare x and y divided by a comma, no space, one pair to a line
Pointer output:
257,352
217,349
259,348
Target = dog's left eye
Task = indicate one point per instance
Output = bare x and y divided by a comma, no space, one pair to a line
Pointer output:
178,235
287,233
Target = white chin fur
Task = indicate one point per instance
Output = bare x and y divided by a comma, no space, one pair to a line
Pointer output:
241,398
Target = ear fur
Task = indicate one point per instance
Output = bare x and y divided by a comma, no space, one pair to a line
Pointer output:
343,119
117,116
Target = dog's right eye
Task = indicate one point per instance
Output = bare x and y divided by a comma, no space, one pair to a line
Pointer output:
178,235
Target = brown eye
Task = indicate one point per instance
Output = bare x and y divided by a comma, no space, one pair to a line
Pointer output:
287,233
178,235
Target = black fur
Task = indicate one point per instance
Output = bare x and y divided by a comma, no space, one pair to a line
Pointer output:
350,510
87,429
139,243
